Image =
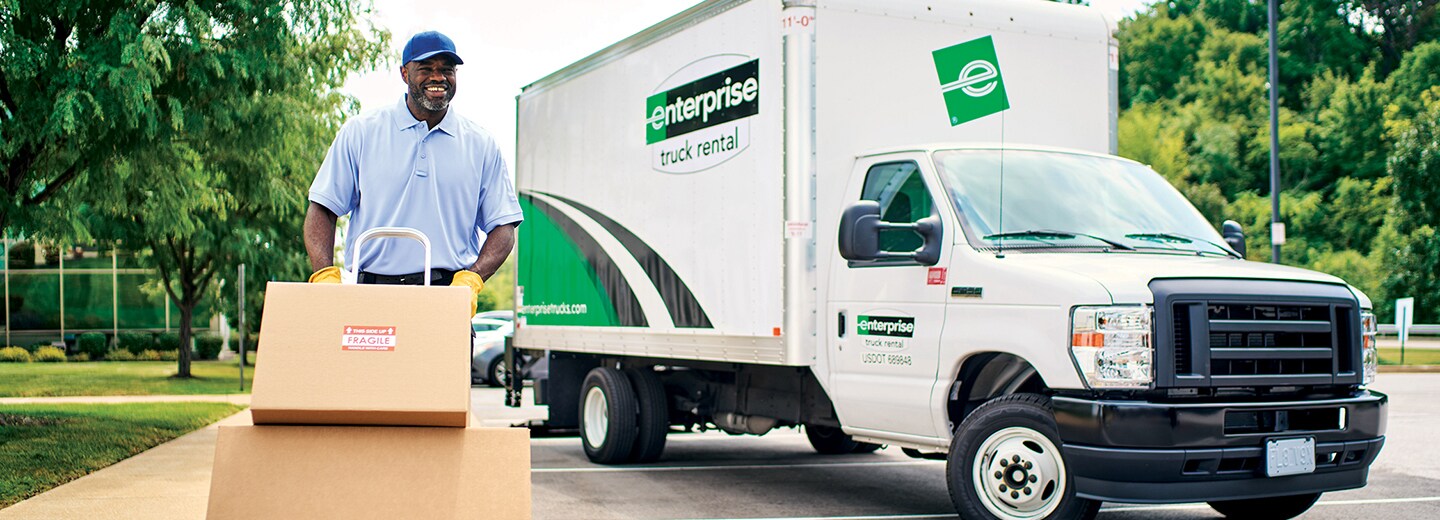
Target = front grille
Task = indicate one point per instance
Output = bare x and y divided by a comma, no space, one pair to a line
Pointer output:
1254,336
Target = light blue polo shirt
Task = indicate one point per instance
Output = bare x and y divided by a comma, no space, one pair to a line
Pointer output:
385,168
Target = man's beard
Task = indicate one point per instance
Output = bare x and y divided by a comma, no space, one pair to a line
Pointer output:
418,93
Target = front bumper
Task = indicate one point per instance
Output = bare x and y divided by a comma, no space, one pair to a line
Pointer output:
1136,451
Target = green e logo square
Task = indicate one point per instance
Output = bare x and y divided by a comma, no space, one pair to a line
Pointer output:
970,80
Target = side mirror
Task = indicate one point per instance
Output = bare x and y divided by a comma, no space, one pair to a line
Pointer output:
860,231
1234,236
860,228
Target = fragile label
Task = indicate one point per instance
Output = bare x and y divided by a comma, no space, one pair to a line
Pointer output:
358,337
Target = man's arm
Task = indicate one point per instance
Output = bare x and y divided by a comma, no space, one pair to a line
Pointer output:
320,237
498,244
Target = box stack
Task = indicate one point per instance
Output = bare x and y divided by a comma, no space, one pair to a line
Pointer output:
362,410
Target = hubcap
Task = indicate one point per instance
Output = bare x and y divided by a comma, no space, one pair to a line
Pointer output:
1019,474
597,417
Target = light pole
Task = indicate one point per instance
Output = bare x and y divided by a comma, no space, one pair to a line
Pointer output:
1277,228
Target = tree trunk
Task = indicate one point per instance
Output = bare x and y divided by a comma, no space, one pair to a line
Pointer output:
186,312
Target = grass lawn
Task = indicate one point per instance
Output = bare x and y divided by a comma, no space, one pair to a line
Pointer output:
45,445
1413,356
119,378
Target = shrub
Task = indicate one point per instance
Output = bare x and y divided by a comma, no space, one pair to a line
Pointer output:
149,355
208,346
135,342
252,342
92,343
80,358
167,341
169,355
31,348
119,354
14,355
50,355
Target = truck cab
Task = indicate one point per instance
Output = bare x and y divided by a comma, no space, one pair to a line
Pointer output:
1174,369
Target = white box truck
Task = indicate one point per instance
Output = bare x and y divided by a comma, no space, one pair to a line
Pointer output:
899,223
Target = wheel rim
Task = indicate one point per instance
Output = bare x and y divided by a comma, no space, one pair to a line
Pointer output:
500,373
1019,474
597,417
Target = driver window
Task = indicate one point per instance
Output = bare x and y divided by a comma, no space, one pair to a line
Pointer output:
900,190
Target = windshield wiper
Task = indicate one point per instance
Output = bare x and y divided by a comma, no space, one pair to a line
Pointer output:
1184,239
1052,233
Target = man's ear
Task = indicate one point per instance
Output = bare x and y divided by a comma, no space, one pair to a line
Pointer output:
404,73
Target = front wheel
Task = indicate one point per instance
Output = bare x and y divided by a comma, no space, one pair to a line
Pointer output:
1272,508
498,373
1005,463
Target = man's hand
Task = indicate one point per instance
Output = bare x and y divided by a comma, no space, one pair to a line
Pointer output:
327,275
465,278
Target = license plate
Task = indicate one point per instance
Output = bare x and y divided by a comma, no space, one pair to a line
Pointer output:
1289,456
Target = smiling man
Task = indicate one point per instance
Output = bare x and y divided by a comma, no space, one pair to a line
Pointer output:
415,164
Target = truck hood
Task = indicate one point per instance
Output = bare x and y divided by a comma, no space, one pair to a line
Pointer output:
1127,275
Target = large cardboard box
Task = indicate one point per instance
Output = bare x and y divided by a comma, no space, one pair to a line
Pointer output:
364,355
356,472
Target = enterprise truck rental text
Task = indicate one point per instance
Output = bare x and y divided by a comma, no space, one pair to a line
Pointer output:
904,224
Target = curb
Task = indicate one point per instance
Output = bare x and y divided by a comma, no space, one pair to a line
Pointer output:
1409,369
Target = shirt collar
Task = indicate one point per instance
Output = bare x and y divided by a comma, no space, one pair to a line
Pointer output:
404,119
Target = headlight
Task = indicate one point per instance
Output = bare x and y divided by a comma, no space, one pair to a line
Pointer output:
1370,353
1112,346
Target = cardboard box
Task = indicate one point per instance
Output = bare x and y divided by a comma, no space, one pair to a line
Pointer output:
357,472
364,355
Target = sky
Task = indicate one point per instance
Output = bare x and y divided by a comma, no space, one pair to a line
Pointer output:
507,44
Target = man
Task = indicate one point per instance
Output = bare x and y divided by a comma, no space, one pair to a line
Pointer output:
416,165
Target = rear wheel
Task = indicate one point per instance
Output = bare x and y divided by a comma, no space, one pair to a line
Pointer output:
1272,508
1005,463
654,418
607,416
830,440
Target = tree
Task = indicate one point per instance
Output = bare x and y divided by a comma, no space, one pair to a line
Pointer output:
1156,53
222,180
86,83
1410,243
1402,25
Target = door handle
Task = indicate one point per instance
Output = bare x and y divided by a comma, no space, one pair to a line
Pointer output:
841,332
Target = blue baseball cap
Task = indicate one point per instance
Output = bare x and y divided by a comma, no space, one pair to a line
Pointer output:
429,43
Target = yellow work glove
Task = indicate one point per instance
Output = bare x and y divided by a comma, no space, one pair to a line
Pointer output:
327,275
467,278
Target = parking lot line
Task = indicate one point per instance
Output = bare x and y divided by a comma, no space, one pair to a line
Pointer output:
1363,501
633,469
854,517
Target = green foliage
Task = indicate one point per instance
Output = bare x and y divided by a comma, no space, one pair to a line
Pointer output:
148,355
92,344
14,355
50,355
1350,135
499,292
1158,54
167,341
120,355
1409,242
208,346
80,358
86,84
134,342
51,444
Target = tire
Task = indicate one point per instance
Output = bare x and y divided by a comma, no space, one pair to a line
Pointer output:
1022,428
654,419
607,416
495,375
830,440
1272,508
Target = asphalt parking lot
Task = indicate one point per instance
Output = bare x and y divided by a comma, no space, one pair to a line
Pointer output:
714,475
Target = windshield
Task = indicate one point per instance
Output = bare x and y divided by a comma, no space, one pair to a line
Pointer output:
1055,199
